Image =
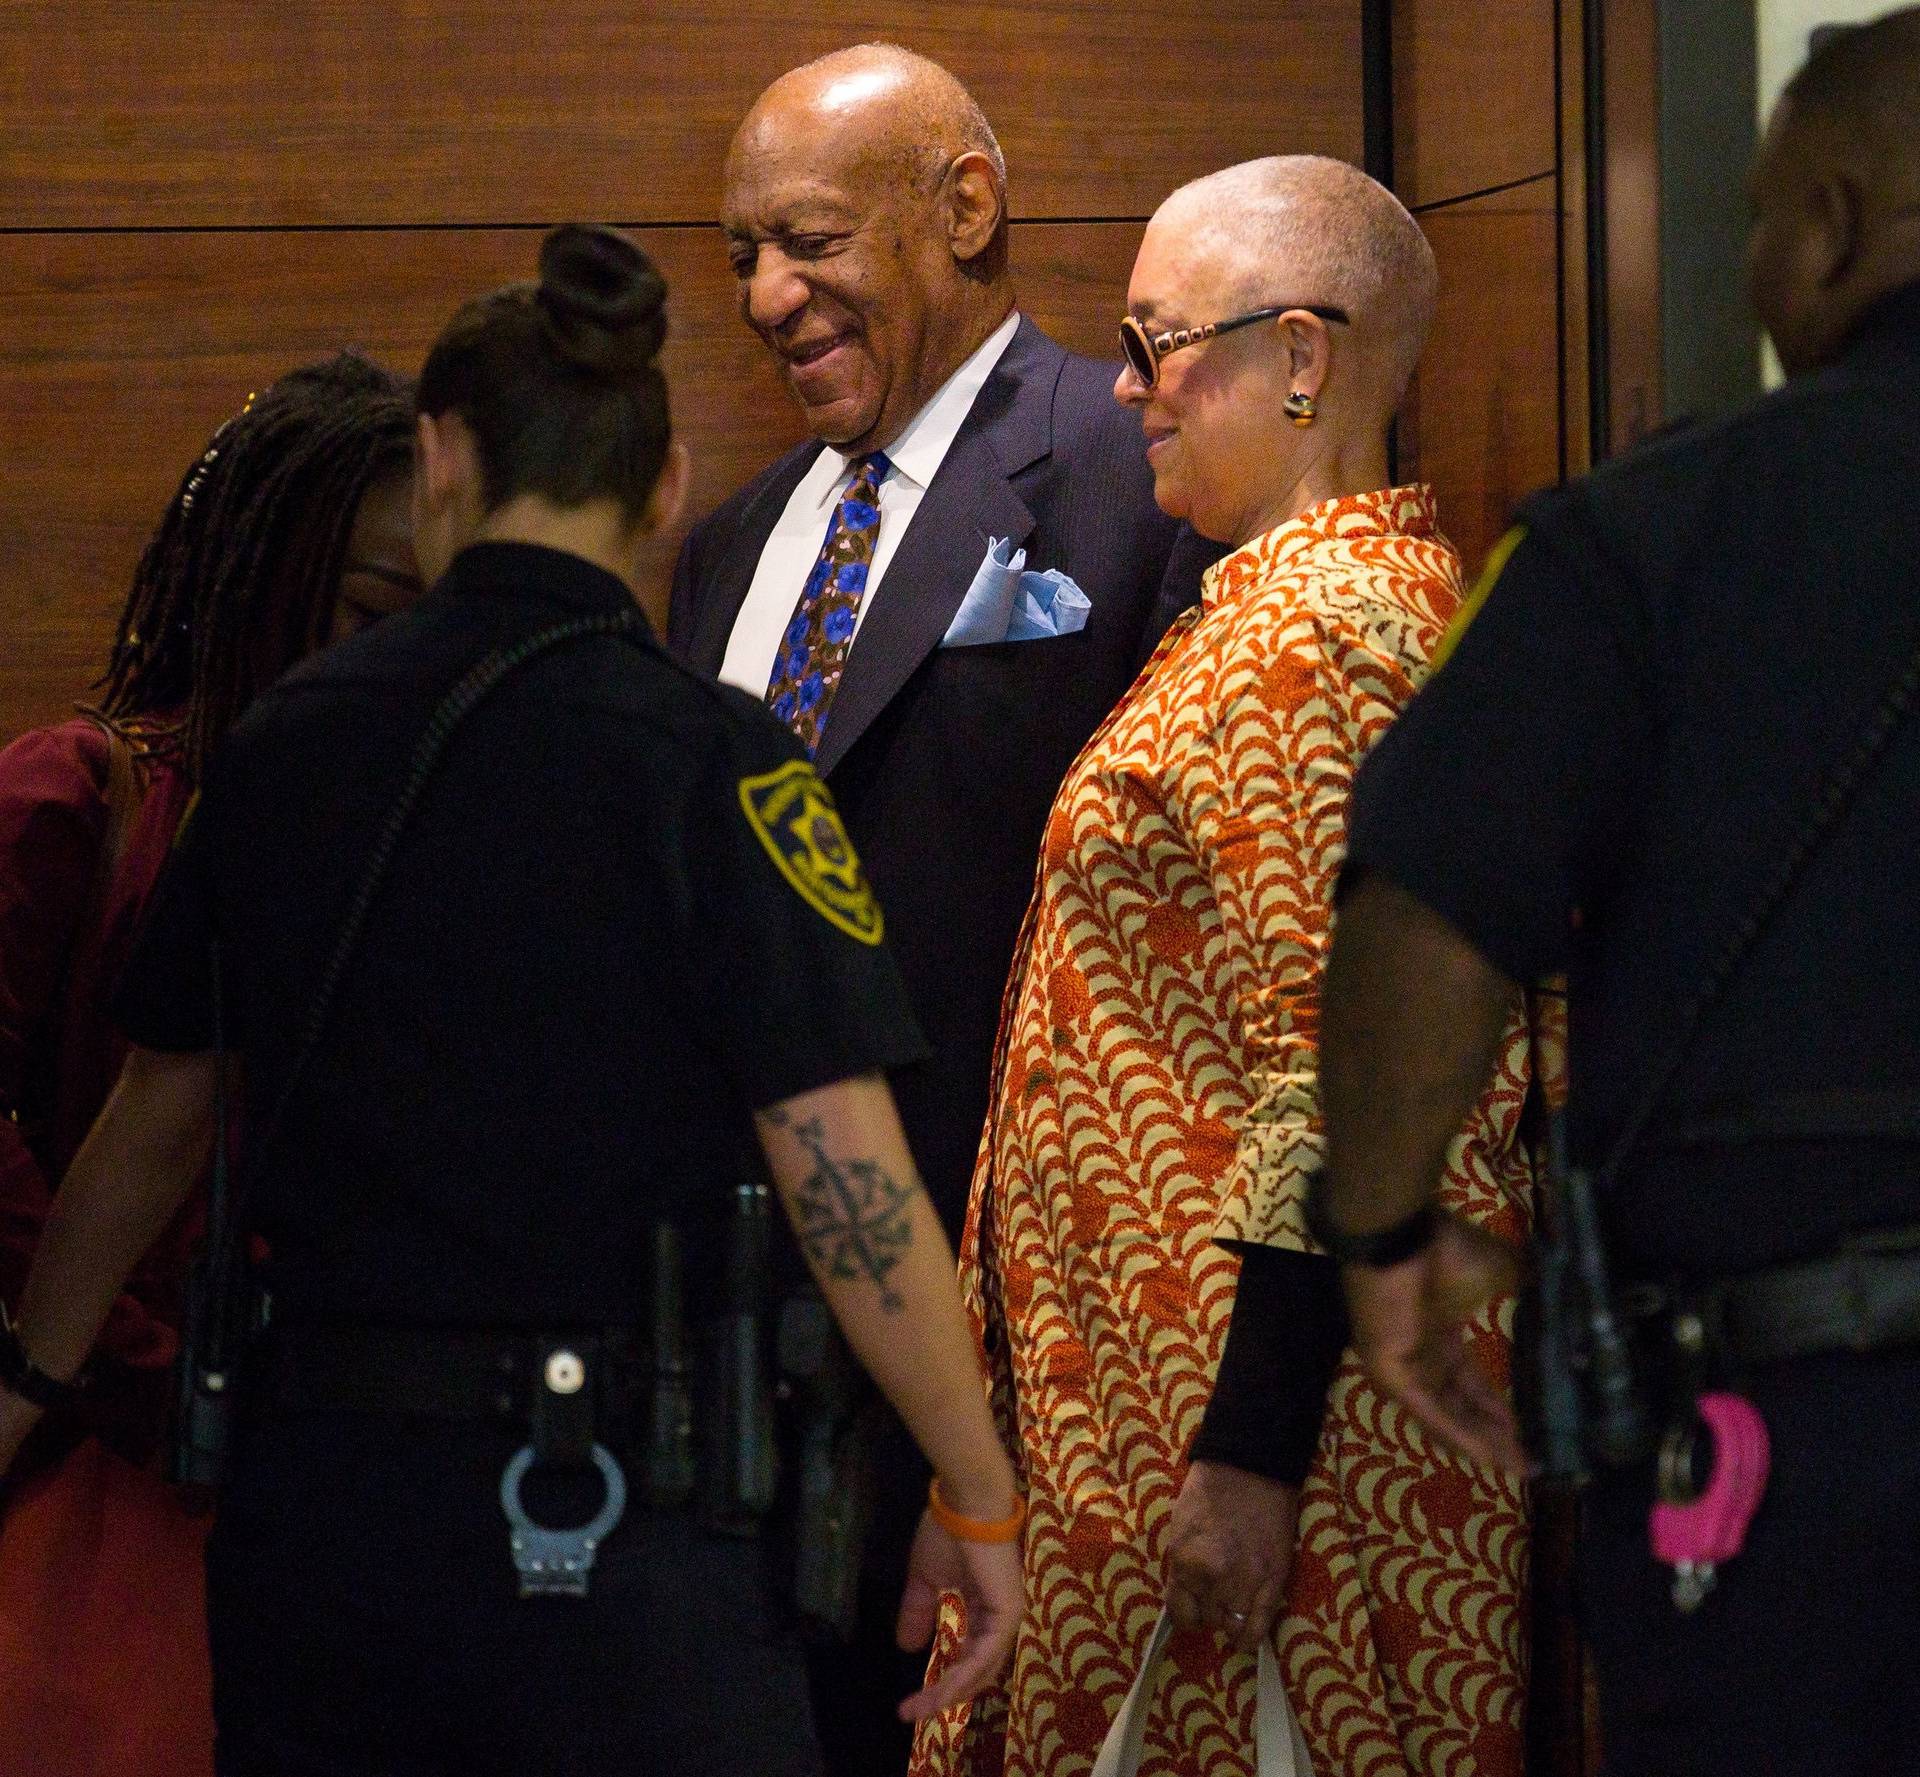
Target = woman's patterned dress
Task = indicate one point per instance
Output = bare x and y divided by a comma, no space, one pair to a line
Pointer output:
1155,1095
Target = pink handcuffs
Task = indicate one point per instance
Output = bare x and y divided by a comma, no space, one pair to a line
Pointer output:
1696,1530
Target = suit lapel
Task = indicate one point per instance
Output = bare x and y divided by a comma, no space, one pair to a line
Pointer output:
971,500
720,600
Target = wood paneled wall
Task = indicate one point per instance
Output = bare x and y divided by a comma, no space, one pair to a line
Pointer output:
1485,146
195,196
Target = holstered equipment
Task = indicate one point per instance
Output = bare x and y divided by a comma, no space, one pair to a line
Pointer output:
739,1459
667,1472
836,1420
1695,1341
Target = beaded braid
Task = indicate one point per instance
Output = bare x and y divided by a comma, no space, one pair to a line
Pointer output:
239,580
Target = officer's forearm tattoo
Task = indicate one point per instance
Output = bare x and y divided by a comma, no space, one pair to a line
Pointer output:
853,1217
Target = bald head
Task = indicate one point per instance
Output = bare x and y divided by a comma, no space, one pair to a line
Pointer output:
892,110
1303,228
1251,424
1836,189
866,218
1862,91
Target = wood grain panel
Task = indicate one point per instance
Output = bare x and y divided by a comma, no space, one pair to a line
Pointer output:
204,113
1473,96
120,354
1483,420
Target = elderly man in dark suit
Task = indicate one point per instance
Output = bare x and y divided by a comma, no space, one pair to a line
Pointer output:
866,217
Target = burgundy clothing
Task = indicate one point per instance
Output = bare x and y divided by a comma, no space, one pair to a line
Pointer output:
103,1646
64,936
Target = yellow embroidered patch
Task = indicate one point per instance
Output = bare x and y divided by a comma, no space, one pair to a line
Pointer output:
792,815
1489,577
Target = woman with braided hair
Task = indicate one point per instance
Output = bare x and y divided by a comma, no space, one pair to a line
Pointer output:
292,529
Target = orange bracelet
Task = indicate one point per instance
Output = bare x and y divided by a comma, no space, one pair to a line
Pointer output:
975,1530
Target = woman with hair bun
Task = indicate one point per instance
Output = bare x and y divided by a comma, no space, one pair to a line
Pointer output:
509,972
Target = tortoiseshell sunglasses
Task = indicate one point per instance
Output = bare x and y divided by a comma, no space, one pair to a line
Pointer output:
1144,350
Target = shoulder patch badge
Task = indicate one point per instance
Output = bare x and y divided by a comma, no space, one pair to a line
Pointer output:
793,816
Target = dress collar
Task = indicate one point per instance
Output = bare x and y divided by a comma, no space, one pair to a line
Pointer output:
1385,512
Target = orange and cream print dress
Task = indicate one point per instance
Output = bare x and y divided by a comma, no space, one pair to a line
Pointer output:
1156,1095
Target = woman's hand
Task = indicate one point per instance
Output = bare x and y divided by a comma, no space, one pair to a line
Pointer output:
989,1582
1229,1552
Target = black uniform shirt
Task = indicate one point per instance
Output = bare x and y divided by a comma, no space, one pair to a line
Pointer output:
1635,726
623,913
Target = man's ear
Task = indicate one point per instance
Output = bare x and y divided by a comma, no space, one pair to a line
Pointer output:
1836,208
976,205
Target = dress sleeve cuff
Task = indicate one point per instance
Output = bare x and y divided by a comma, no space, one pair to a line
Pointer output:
1284,1343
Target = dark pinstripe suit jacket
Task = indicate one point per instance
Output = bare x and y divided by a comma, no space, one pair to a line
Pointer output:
945,760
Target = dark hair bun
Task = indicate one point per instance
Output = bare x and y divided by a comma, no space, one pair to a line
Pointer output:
602,301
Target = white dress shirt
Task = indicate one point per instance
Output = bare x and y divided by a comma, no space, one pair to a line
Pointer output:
793,546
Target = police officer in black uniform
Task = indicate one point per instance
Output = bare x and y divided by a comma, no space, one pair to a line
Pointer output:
505,974
1673,753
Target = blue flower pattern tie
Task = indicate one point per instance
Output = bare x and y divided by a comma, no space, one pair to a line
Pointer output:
813,649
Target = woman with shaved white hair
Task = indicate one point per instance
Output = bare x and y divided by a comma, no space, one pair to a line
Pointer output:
1142,1186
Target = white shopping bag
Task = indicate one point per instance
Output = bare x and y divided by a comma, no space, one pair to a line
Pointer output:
1279,1749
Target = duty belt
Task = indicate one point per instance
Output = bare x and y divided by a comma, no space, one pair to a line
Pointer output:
566,1389
1866,1297
1863,1297
1873,1114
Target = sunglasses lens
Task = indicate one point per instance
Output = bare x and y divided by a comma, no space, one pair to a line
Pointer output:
1139,354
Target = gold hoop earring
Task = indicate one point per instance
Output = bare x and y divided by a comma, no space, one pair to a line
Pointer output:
1299,408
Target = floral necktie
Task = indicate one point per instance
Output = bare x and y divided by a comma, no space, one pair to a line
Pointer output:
806,670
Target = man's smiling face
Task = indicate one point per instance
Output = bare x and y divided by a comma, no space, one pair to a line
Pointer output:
842,260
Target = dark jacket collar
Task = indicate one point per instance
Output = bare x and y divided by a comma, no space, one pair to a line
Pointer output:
531,573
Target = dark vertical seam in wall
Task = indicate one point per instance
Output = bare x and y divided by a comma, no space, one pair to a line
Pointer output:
1599,350
1376,88
1376,129
1560,222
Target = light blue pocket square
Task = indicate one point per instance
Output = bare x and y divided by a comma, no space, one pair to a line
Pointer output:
1005,603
